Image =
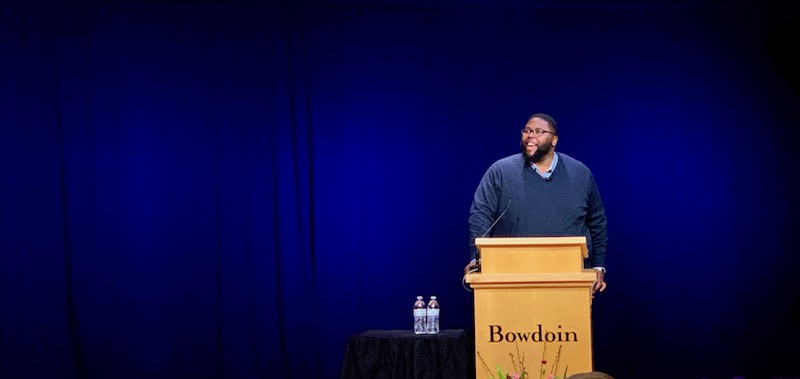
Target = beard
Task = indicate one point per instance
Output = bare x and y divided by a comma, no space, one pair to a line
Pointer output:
541,151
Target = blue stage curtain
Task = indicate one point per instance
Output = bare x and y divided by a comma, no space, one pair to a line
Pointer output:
230,189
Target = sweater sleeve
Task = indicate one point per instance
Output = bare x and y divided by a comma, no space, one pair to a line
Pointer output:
483,211
596,223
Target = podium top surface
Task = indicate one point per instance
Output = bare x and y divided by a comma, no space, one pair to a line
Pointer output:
532,241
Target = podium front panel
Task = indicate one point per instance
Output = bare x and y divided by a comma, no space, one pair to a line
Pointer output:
535,324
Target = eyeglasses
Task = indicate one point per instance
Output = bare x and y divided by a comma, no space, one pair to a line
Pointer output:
537,132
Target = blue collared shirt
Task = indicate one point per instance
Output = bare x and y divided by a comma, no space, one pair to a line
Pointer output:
549,172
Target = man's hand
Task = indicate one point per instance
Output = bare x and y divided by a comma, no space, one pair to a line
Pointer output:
599,283
472,266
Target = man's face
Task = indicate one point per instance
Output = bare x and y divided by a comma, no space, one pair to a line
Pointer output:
537,140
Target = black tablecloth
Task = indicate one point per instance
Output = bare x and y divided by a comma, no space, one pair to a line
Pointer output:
401,354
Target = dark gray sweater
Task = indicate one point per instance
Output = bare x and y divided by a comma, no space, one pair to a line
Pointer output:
566,204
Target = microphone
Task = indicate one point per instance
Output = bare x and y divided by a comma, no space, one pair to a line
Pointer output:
476,267
498,219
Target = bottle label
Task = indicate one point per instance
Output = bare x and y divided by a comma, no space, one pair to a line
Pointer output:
420,313
433,312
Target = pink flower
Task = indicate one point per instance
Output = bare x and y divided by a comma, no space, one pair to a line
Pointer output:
516,376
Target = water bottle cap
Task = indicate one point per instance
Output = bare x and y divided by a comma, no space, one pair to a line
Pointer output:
433,297
419,297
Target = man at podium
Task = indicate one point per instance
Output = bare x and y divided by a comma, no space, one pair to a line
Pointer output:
540,193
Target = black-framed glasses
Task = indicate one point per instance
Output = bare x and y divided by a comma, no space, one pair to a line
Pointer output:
537,132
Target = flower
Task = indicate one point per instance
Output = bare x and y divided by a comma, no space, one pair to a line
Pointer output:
521,372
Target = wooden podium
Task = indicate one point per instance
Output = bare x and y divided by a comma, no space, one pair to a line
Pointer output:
533,303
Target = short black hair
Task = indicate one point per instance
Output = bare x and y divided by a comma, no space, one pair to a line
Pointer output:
550,120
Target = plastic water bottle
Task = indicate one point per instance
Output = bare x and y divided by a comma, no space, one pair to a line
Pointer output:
433,316
420,315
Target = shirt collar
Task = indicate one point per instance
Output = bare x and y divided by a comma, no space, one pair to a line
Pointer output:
549,171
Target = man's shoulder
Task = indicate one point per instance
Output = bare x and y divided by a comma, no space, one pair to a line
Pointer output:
571,162
514,160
